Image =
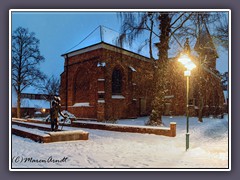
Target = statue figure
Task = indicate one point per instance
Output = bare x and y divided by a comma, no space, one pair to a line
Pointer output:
55,109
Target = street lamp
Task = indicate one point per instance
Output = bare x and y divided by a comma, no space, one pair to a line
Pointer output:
189,65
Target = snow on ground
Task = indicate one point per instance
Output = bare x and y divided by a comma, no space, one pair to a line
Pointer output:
108,149
30,130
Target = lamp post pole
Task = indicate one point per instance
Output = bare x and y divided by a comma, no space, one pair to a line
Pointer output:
187,111
189,65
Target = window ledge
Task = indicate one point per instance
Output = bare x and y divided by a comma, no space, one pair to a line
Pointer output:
118,97
84,104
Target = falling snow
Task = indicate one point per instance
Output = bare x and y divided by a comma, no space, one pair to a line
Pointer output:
108,149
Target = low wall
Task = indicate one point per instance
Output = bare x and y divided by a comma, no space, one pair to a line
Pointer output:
35,137
30,120
53,136
68,135
31,126
165,131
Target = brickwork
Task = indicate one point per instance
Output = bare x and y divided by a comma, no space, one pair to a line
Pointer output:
35,137
48,136
91,82
170,132
89,85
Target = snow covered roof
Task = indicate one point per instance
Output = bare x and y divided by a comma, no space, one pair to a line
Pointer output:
30,103
110,37
108,47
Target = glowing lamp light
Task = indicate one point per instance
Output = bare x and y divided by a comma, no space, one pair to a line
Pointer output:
44,110
190,66
186,61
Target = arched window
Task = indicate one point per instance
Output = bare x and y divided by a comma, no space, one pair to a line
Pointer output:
82,86
116,82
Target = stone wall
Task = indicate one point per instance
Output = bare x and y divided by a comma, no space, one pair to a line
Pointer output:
89,90
90,81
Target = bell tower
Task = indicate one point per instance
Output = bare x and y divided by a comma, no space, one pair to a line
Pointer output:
187,48
206,48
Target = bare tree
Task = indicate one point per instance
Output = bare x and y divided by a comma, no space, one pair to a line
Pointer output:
173,27
50,87
25,60
136,24
225,81
168,24
222,31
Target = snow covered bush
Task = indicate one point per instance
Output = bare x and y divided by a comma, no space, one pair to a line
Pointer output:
153,120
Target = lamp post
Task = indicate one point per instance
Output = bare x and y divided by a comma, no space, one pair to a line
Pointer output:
189,65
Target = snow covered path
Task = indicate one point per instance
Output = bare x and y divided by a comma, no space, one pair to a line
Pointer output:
107,149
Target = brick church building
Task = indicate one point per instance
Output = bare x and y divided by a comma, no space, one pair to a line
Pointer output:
105,82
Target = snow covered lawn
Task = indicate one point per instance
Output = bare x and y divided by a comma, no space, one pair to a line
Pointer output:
108,149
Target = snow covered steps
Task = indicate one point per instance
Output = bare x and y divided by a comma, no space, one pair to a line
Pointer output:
44,135
41,138
27,124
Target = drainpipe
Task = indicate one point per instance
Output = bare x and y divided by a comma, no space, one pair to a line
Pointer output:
66,104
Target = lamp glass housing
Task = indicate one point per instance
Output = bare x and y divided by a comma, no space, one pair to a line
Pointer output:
186,61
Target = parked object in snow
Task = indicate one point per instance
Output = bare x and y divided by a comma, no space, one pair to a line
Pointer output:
69,119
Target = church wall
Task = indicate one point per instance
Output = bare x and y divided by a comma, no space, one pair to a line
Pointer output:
94,81
203,86
82,84
137,79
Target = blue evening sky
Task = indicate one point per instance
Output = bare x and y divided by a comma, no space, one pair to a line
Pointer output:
60,31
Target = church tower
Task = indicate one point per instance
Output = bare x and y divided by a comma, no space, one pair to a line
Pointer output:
187,49
206,48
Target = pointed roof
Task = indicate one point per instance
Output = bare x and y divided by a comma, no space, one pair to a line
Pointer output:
101,34
205,41
186,47
105,35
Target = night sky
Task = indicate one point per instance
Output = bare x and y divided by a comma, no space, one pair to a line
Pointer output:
60,31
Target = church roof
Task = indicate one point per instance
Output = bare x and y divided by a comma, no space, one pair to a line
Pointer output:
107,36
103,45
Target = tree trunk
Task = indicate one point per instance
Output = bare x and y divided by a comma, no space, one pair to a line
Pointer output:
165,28
150,40
160,74
18,104
159,88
